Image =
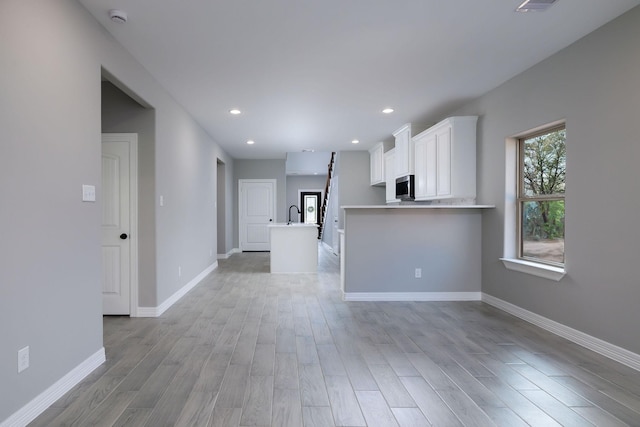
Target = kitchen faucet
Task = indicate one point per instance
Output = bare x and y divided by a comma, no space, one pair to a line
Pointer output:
292,206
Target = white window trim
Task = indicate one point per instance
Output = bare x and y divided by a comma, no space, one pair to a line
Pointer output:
510,259
534,268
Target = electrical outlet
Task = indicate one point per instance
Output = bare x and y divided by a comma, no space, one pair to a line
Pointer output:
418,273
23,359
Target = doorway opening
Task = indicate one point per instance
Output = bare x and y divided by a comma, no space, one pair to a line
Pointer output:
310,207
124,112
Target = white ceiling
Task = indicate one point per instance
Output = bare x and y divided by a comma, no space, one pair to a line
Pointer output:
315,74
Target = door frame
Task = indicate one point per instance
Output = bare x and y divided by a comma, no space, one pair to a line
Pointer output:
320,198
274,202
132,138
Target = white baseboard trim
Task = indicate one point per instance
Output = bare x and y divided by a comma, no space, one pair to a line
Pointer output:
157,311
228,254
604,348
411,296
37,406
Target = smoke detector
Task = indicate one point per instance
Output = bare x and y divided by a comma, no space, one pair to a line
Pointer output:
118,16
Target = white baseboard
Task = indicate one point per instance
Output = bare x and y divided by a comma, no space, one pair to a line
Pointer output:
604,348
147,312
157,311
228,254
411,296
37,406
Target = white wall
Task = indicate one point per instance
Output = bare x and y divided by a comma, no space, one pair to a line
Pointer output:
594,85
51,54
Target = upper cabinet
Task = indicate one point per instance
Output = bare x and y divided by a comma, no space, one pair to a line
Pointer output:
376,159
389,172
445,160
404,151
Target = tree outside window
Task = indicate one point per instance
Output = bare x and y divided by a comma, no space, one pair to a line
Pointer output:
541,196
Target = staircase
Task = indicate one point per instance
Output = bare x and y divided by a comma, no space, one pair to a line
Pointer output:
323,211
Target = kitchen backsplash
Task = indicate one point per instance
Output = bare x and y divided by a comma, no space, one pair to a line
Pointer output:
468,201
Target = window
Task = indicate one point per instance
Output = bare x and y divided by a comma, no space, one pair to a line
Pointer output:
540,196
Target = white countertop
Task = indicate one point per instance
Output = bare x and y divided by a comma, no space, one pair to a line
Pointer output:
419,207
293,224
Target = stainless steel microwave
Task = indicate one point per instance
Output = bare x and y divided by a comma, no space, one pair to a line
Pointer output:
405,188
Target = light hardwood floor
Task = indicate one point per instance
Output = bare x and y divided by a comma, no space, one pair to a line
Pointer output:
248,348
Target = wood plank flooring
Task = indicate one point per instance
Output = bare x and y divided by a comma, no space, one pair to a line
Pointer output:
248,348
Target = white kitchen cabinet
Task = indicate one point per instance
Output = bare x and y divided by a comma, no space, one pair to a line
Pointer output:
390,176
376,159
425,152
445,160
404,151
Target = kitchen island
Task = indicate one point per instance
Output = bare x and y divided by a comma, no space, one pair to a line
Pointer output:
294,248
412,252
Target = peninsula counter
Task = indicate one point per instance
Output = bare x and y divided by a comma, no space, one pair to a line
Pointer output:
412,252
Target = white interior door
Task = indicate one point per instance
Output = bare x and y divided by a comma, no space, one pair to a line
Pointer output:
117,222
257,210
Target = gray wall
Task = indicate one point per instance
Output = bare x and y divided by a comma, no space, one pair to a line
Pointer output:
385,246
350,185
224,205
50,252
332,213
594,85
355,184
260,169
51,54
121,114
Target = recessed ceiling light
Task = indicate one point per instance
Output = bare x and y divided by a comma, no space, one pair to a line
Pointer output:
535,5
355,141
235,111
387,110
251,142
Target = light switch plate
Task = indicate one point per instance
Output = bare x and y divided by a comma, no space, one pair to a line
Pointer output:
88,193
23,359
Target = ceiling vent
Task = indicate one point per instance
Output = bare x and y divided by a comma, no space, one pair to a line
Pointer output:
535,5
118,16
